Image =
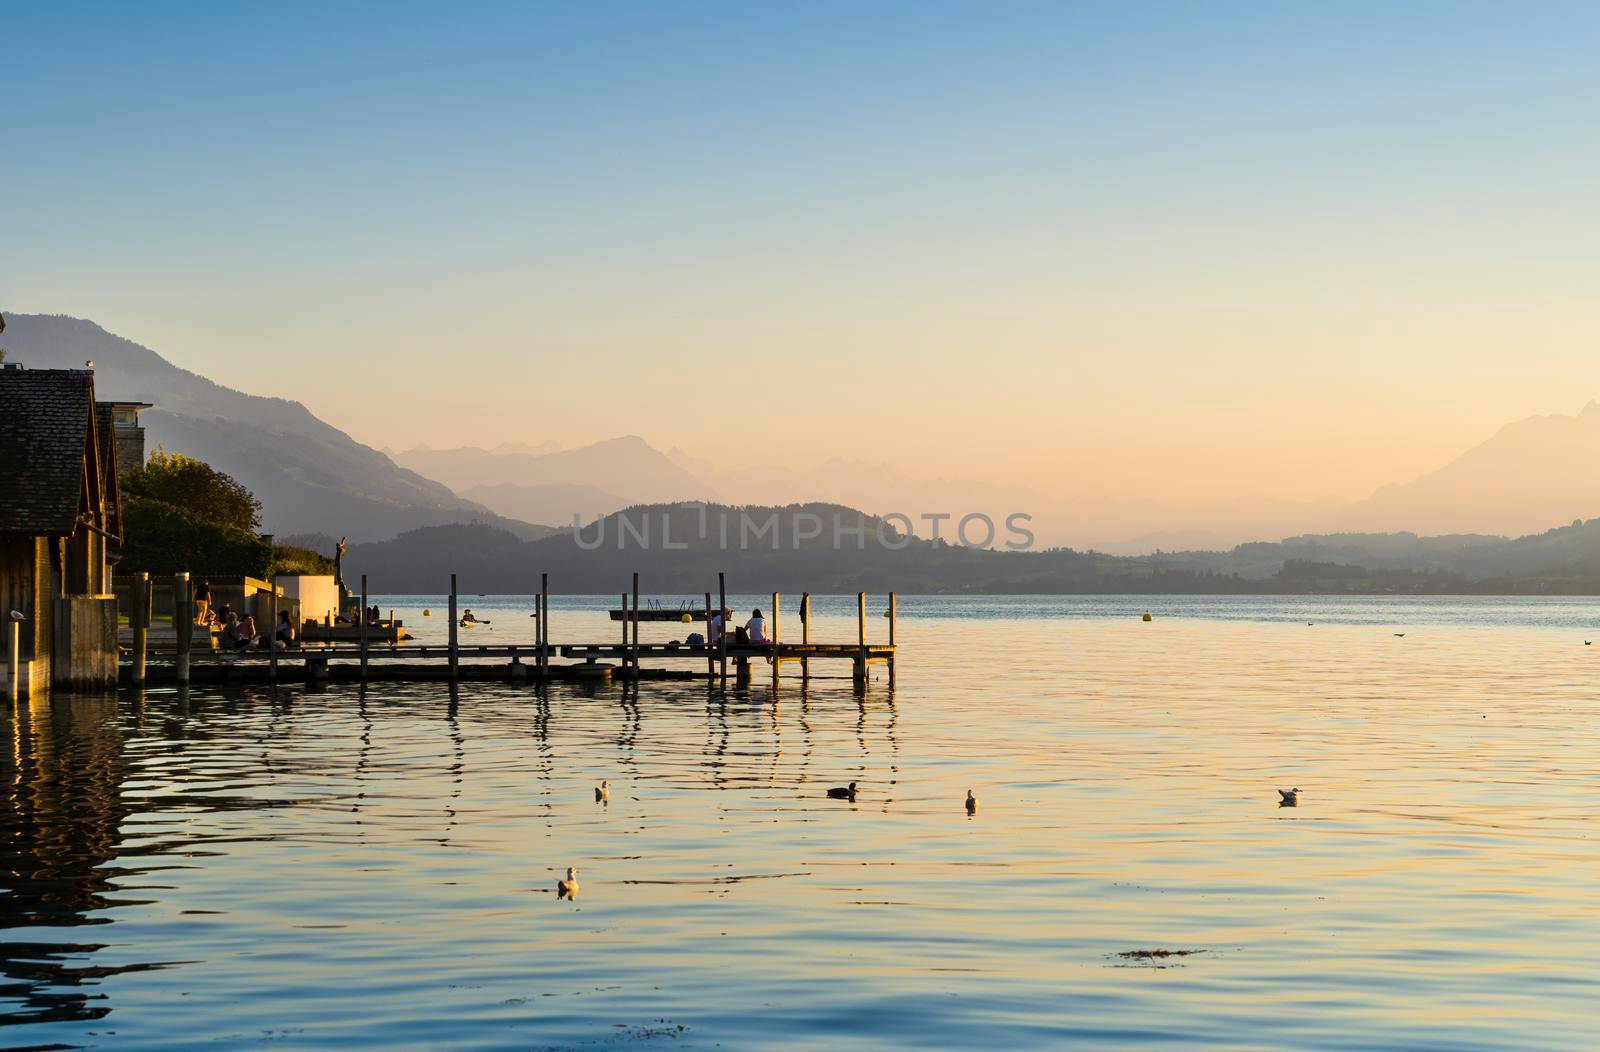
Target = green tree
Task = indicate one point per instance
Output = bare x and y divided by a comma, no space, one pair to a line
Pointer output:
194,487
164,538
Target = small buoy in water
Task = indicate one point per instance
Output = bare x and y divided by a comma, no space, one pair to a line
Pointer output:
686,619
1147,616
427,613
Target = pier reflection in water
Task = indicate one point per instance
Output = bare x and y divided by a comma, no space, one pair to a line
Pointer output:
377,868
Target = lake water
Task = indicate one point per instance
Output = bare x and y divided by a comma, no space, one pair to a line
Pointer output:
376,869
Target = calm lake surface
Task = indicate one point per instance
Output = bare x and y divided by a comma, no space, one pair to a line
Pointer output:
376,869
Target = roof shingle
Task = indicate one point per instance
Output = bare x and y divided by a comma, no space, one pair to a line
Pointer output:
44,426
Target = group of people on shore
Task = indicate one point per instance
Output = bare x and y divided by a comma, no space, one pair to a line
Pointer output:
235,632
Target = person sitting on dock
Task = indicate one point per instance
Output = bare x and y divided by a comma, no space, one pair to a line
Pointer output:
283,637
714,626
757,627
238,633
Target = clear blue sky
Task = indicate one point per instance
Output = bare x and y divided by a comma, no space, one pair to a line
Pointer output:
1296,230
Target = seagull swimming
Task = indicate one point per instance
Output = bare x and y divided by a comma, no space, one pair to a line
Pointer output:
1291,797
567,888
603,790
972,802
839,792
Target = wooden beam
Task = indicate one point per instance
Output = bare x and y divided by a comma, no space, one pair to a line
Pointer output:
455,646
183,623
363,632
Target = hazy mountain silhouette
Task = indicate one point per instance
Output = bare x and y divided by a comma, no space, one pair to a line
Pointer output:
629,467
309,475
1529,474
677,556
552,503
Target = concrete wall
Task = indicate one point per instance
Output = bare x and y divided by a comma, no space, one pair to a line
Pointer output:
85,642
318,595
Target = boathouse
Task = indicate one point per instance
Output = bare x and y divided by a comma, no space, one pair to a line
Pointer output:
60,529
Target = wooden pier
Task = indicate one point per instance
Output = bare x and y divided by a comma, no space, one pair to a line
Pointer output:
374,658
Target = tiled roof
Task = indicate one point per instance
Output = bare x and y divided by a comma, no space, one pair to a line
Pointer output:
44,425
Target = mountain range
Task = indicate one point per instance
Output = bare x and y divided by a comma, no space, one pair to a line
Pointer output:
309,475
312,477
688,552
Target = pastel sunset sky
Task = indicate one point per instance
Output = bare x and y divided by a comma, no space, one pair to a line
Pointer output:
1197,251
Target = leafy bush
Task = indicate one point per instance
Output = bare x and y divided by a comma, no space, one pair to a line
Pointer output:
163,538
202,492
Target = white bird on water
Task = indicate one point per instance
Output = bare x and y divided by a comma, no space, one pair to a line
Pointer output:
567,888
1291,797
603,790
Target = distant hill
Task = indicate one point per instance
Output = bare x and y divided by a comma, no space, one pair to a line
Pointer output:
552,503
679,558
309,475
1528,474
628,467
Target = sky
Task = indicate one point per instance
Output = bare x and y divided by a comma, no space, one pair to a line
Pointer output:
1177,255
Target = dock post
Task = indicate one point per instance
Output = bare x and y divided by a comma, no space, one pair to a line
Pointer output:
455,648
859,672
777,662
542,630
891,637
711,657
805,632
634,646
14,657
272,636
625,616
722,638
363,628
141,625
182,624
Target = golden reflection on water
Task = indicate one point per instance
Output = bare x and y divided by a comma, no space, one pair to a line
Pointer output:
378,866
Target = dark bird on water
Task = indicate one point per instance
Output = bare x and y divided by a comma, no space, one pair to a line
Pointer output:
1399,635
839,792
972,803
1289,797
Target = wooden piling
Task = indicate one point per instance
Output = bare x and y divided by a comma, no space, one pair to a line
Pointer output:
272,632
711,657
363,634
455,627
14,658
634,646
182,624
892,614
543,631
805,632
776,661
139,616
859,670
722,637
